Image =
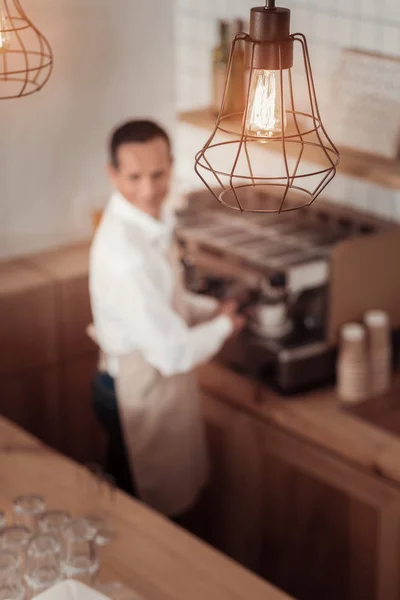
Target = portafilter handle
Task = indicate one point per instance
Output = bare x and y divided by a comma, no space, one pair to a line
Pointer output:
248,299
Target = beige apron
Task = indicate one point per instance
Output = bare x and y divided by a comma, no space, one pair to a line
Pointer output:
163,428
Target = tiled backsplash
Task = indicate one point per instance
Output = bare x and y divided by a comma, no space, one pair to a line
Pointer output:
329,26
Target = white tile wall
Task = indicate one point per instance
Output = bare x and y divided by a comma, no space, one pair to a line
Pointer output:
329,27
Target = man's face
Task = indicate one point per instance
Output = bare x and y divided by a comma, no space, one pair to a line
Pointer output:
143,174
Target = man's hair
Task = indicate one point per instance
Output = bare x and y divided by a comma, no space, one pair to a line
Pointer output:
135,132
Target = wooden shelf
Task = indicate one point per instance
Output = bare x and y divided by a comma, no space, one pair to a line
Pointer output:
371,168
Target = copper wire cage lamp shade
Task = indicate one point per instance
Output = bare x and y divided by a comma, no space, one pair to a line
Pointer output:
280,112
26,58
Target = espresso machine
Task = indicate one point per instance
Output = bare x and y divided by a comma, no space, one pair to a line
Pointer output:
295,275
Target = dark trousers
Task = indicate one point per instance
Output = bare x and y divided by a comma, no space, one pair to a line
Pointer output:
117,462
106,410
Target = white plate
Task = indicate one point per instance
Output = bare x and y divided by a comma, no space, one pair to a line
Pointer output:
75,590
71,590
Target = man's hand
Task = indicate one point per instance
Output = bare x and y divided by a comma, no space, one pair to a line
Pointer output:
230,308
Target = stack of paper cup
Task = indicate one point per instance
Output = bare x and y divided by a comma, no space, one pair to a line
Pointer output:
352,365
380,350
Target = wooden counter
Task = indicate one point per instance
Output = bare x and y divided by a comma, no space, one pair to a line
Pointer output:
316,417
302,492
314,489
151,555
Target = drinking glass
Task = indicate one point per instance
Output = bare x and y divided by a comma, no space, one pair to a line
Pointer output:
9,568
81,560
12,592
101,492
15,539
53,521
27,509
10,577
43,563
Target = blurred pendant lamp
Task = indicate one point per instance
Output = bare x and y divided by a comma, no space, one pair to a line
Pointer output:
280,112
26,58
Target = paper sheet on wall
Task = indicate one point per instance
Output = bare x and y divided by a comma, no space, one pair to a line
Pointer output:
366,103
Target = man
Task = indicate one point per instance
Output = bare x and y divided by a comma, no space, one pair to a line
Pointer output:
152,332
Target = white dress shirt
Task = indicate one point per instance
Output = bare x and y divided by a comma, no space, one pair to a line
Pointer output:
131,290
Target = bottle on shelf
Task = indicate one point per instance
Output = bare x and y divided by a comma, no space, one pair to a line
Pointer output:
237,91
220,59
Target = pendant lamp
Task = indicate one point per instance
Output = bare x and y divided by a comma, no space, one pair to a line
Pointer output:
280,113
26,58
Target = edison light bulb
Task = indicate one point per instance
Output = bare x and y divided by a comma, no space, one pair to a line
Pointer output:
264,110
5,33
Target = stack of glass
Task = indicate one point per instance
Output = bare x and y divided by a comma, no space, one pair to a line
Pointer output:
41,547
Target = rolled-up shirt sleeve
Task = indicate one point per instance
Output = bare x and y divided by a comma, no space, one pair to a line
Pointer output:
160,333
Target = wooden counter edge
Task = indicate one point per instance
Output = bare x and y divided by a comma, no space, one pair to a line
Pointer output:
168,552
